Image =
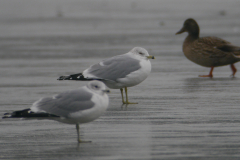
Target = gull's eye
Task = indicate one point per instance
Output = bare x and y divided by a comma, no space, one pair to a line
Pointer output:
141,53
96,87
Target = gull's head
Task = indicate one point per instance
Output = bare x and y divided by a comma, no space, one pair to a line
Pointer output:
138,51
98,87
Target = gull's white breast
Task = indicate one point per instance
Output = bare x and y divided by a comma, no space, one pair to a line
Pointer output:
101,103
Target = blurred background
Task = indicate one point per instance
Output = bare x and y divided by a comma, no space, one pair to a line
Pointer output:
127,23
82,24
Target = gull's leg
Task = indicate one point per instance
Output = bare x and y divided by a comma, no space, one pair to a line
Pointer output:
234,70
210,74
122,96
127,102
78,134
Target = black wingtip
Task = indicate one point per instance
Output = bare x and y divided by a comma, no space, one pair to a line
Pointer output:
16,114
27,113
76,77
6,115
63,78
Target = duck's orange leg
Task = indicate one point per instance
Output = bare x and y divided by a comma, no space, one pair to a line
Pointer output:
234,70
210,73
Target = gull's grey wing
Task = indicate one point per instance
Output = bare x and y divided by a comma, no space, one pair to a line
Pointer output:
114,68
65,103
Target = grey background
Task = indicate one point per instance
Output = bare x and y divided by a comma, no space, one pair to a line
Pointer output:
179,116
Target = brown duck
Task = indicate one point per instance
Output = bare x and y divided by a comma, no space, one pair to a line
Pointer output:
208,51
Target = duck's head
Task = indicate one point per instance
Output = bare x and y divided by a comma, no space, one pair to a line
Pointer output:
190,26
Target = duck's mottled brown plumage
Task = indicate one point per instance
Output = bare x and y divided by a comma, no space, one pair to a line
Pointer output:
208,51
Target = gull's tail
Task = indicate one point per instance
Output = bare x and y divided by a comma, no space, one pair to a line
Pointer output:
27,113
77,77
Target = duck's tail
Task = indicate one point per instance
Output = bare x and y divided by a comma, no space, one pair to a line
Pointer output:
27,113
236,55
229,48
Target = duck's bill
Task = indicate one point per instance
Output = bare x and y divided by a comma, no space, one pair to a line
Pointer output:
150,57
181,31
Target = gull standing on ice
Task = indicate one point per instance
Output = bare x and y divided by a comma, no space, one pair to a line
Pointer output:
118,72
72,107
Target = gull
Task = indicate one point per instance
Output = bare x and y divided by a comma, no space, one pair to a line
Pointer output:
77,106
118,72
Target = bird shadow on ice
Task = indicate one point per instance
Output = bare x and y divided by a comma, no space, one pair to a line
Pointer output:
118,106
75,149
198,83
